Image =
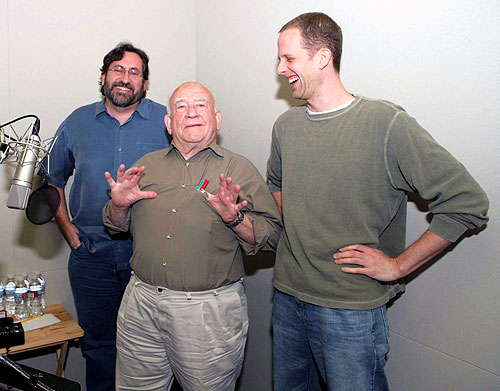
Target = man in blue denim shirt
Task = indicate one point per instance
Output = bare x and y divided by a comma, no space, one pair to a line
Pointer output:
96,138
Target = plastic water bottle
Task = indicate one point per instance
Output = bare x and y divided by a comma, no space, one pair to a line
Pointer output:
35,305
3,313
26,280
21,297
42,290
10,289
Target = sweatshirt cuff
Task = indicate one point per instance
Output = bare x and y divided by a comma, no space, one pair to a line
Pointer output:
272,187
446,227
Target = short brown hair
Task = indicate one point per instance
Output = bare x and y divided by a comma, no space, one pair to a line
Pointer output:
318,30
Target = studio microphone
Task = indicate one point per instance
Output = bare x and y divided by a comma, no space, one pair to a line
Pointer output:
22,180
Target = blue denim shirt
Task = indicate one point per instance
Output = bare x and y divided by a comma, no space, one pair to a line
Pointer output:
90,142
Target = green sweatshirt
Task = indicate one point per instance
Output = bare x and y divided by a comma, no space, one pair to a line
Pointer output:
344,178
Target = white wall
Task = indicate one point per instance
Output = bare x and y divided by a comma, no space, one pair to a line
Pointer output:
439,60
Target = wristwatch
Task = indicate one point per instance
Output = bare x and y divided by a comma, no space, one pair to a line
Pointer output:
238,219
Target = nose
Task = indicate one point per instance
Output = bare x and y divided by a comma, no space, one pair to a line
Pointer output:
125,76
280,69
191,112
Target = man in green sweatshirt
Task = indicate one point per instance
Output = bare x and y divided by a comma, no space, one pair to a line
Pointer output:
340,170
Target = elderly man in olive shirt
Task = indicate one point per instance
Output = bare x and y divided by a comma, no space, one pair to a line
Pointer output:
184,311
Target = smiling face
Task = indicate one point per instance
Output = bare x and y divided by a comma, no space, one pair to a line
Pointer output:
298,65
193,121
122,90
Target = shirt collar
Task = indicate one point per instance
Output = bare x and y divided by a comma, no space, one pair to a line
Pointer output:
142,109
217,149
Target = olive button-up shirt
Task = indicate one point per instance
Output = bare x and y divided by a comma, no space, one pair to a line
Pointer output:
179,241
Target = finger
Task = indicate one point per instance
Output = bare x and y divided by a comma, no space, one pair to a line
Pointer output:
222,181
355,270
120,173
351,261
131,171
229,183
241,205
109,178
348,254
227,190
222,185
358,247
148,194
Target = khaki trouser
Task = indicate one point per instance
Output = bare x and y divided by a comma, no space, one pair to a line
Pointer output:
197,336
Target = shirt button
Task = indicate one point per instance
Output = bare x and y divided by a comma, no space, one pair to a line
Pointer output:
187,164
119,149
169,237
183,185
164,264
174,211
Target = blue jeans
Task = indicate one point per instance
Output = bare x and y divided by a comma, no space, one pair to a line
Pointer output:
346,347
97,290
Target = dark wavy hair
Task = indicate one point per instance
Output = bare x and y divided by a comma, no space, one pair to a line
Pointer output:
117,54
318,30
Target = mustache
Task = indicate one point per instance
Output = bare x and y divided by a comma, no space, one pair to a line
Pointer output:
122,84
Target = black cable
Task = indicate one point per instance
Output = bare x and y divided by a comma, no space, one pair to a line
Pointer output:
36,127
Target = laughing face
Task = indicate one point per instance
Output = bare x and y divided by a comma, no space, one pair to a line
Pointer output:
122,89
193,122
297,64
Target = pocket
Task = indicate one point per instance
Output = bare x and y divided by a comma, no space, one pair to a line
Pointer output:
386,323
80,247
233,312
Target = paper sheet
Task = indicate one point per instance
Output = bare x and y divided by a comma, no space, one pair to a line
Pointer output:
42,321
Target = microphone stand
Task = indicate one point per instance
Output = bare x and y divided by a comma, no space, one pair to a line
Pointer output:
16,375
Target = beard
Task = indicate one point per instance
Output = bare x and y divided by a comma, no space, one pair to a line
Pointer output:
122,100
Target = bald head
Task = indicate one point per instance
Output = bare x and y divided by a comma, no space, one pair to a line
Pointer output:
189,85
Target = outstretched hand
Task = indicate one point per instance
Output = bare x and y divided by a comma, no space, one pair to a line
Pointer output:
375,263
125,191
225,201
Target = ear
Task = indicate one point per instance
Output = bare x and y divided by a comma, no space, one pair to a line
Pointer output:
168,122
218,119
103,77
325,57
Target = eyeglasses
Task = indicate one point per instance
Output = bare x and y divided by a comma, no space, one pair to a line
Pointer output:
133,73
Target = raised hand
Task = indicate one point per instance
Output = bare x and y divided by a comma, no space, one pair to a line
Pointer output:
225,201
125,191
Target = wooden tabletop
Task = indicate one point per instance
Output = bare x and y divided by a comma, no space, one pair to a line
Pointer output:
65,330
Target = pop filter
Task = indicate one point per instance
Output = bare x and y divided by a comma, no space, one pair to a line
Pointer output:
43,204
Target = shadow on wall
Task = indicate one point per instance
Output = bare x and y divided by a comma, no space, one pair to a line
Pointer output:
284,92
46,240
423,206
262,260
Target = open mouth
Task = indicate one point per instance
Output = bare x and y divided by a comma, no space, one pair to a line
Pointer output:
293,79
123,88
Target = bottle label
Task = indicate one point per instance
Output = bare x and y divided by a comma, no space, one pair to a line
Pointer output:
35,291
21,293
10,289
